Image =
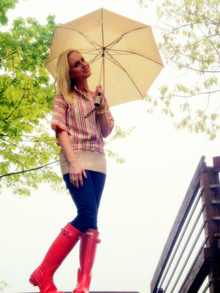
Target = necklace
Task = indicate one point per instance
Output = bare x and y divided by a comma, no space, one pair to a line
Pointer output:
85,93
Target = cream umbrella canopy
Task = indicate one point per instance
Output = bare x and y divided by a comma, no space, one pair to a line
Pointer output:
122,53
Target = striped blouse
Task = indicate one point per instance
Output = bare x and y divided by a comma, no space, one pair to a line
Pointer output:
84,133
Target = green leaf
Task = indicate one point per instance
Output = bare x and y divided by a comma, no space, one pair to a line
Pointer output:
189,46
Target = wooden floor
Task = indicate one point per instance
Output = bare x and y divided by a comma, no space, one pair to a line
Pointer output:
93,292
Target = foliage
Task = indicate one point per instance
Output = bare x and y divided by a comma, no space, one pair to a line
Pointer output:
119,133
143,3
4,6
3,285
26,97
190,44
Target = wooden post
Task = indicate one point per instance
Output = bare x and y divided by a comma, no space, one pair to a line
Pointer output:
211,200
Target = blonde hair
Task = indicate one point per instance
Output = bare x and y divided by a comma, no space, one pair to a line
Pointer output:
64,83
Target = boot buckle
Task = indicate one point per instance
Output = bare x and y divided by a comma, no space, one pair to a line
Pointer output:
89,233
63,231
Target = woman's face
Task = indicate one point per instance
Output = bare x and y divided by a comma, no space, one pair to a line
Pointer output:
78,67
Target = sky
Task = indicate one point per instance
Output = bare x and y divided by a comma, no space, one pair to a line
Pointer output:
141,196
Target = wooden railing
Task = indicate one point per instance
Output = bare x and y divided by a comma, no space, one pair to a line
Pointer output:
190,261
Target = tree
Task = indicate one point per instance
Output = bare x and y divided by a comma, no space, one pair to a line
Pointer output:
26,96
189,45
27,145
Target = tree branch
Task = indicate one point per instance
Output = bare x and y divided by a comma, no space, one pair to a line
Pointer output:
15,108
14,80
187,66
29,170
204,93
207,37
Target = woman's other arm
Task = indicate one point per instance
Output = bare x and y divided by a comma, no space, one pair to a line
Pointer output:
105,125
106,120
76,170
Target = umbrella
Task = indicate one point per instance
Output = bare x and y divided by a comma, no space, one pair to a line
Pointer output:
122,53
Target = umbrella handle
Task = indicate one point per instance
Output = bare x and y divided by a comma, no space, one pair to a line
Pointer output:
97,104
97,100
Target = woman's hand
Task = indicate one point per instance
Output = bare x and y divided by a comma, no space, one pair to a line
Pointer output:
99,92
76,174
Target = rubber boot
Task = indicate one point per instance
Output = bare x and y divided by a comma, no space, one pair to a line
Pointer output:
88,246
60,248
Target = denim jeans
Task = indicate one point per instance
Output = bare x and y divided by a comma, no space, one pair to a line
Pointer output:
86,199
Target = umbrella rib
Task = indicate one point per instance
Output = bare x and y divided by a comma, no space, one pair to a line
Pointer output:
92,42
133,53
112,59
118,39
98,56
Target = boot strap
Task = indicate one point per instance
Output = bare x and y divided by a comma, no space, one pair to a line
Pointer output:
90,234
70,235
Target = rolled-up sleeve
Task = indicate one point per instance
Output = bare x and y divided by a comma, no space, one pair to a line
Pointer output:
59,114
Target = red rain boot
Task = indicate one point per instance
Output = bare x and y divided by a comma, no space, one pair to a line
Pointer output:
88,246
60,248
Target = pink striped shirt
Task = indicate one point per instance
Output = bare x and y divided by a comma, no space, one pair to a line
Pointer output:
85,133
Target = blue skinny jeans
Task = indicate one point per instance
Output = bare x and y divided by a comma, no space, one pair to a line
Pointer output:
87,199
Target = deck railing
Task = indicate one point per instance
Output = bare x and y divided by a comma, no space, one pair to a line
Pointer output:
190,261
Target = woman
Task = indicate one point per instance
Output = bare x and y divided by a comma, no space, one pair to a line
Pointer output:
79,132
